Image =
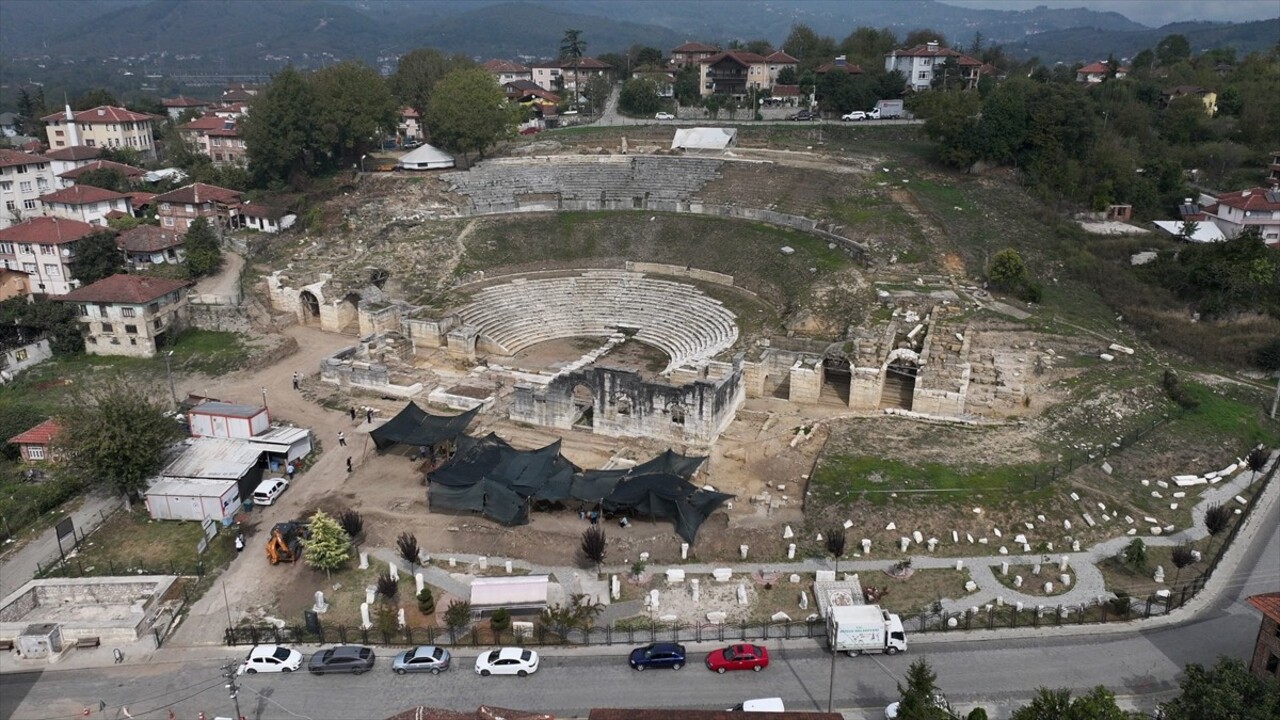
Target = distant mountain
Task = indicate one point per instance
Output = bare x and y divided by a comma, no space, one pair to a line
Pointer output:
1088,44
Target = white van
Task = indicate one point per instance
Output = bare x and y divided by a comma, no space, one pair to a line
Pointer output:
759,705
268,490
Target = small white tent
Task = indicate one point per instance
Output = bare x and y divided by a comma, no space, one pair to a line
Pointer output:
1206,231
704,138
426,157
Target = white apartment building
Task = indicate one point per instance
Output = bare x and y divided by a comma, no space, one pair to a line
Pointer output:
23,179
43,248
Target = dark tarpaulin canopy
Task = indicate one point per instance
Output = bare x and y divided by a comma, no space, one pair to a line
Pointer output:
542,474
494,499
665,496
595,485
415,426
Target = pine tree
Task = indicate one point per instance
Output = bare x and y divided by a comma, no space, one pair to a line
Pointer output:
328,546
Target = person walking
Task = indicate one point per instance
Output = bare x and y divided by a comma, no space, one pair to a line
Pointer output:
353,413
289,469
297,380
368,415
348,464
239,543
342,439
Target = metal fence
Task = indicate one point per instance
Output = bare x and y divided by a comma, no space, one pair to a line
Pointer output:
75,568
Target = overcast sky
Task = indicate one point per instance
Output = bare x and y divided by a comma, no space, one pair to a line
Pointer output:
1150,12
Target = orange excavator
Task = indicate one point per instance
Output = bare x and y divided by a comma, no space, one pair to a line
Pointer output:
285,543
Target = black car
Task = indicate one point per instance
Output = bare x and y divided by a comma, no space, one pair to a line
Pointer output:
805,115
353,659
658,655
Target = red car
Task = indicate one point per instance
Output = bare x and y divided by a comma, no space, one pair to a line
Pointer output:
739,657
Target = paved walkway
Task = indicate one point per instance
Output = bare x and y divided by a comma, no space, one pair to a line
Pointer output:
20,565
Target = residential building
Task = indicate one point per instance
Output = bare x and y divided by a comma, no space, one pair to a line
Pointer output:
1234,212
840,64
663,80
104,127
129,314
692,53
217,138
1265,662
732,73
9,124
568,75
919,64
86,203
22,347
1094,73
43,248
1207,97
410,125
527,91
176,106
150,245
36,444
70,158
1274,178
23,179
506,71
178,208
129,172
13,283
239,93
265,218
778,61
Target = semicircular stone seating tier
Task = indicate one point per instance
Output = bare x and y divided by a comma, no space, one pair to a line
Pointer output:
499,182
678,319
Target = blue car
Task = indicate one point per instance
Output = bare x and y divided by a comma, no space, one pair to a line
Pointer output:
658,655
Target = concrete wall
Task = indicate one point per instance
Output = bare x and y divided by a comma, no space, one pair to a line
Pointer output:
806,380
219,317
114,609
428,332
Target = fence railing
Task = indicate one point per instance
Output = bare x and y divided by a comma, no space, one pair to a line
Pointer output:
75,568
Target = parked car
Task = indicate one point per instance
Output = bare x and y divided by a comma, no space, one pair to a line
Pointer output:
664,116
658,655
268,490
424,658
531,130
855,116
353,659
507,661
413,144
773,704
271,658
805,115
739,657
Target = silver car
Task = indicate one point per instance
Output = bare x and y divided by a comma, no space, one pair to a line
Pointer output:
424,658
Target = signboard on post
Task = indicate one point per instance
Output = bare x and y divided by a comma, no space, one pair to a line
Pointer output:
64,528
210,528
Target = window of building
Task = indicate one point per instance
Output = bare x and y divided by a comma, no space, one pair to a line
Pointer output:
35,452
1273,663
24,248
126,312
131,329
30,269
153,308
42,184
6,249
106,328
24,186
84,311
6,185
21,170
48,250
168,222
8,205
90,142
923,75
53,271
29,204
20,354
165,207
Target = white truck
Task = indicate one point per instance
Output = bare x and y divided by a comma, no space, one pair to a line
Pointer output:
886,109
861,629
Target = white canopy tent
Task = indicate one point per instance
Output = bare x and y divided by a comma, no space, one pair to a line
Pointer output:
704,138
426,157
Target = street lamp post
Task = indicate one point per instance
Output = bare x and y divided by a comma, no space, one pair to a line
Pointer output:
168,368
362,157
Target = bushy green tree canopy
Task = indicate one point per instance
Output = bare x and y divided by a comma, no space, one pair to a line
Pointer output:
418,72
356,109
282,138
203,252
328,546
639,97
468,112
97,257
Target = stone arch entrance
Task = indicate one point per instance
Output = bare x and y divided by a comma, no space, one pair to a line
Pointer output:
584,407
837,376
309,306
900,373
349,314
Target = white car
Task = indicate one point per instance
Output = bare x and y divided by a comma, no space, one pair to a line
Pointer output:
856,115
940,702
271,658
664,116
507,661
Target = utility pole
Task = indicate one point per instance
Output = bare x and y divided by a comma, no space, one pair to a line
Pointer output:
1276,401
233,689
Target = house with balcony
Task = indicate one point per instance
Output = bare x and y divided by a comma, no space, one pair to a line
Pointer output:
176,106
129,314
920,64
23,179
216,138
692,53
86,203
1236,211
505,71
43,248
733,73
410,126
566,75
150,245
128,172
1273,178
104,127
177,209
1096,72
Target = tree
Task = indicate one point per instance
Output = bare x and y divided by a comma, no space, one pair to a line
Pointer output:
807,46
1182,556
327,546
31,108
97,257
106,178
924,36
573,48
597,91
920,698
354,109
788,76
1143,61
115,433
352,523
122,155
1228,691
457,616
1099,704
468,112
60,319
1216,519
835,540
426,601
594,546
407,546
639,97
1007,269
1135,554
94,97
282,140
1172,49
1188,229
418,72
500,622
1257,458
644,56
578,612
388,587
203,253
686,86
868,46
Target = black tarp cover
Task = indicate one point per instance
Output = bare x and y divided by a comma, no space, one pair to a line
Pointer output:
666,496
415,426
495,500
543,474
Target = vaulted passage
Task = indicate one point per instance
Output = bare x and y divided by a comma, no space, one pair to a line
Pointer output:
899,384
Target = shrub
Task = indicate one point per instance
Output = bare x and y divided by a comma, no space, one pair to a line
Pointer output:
388,587
594,547
1176,392
500,620
352,522
407,545
1121,603
457,615
426,602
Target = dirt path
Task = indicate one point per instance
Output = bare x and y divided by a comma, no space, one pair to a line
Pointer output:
227,282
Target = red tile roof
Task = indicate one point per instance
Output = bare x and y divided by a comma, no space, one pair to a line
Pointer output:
81,195
924,50
740,57
408,112
262,211
504,66
204,122
484,712
586,63
693,47
147,239
1253,199
786,90
781,57
75,152
125,289
665,714
1268,603
184,102
848,68
138,199
47,231
130,172
41,434
102,114
1100,67
11,158
198,193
